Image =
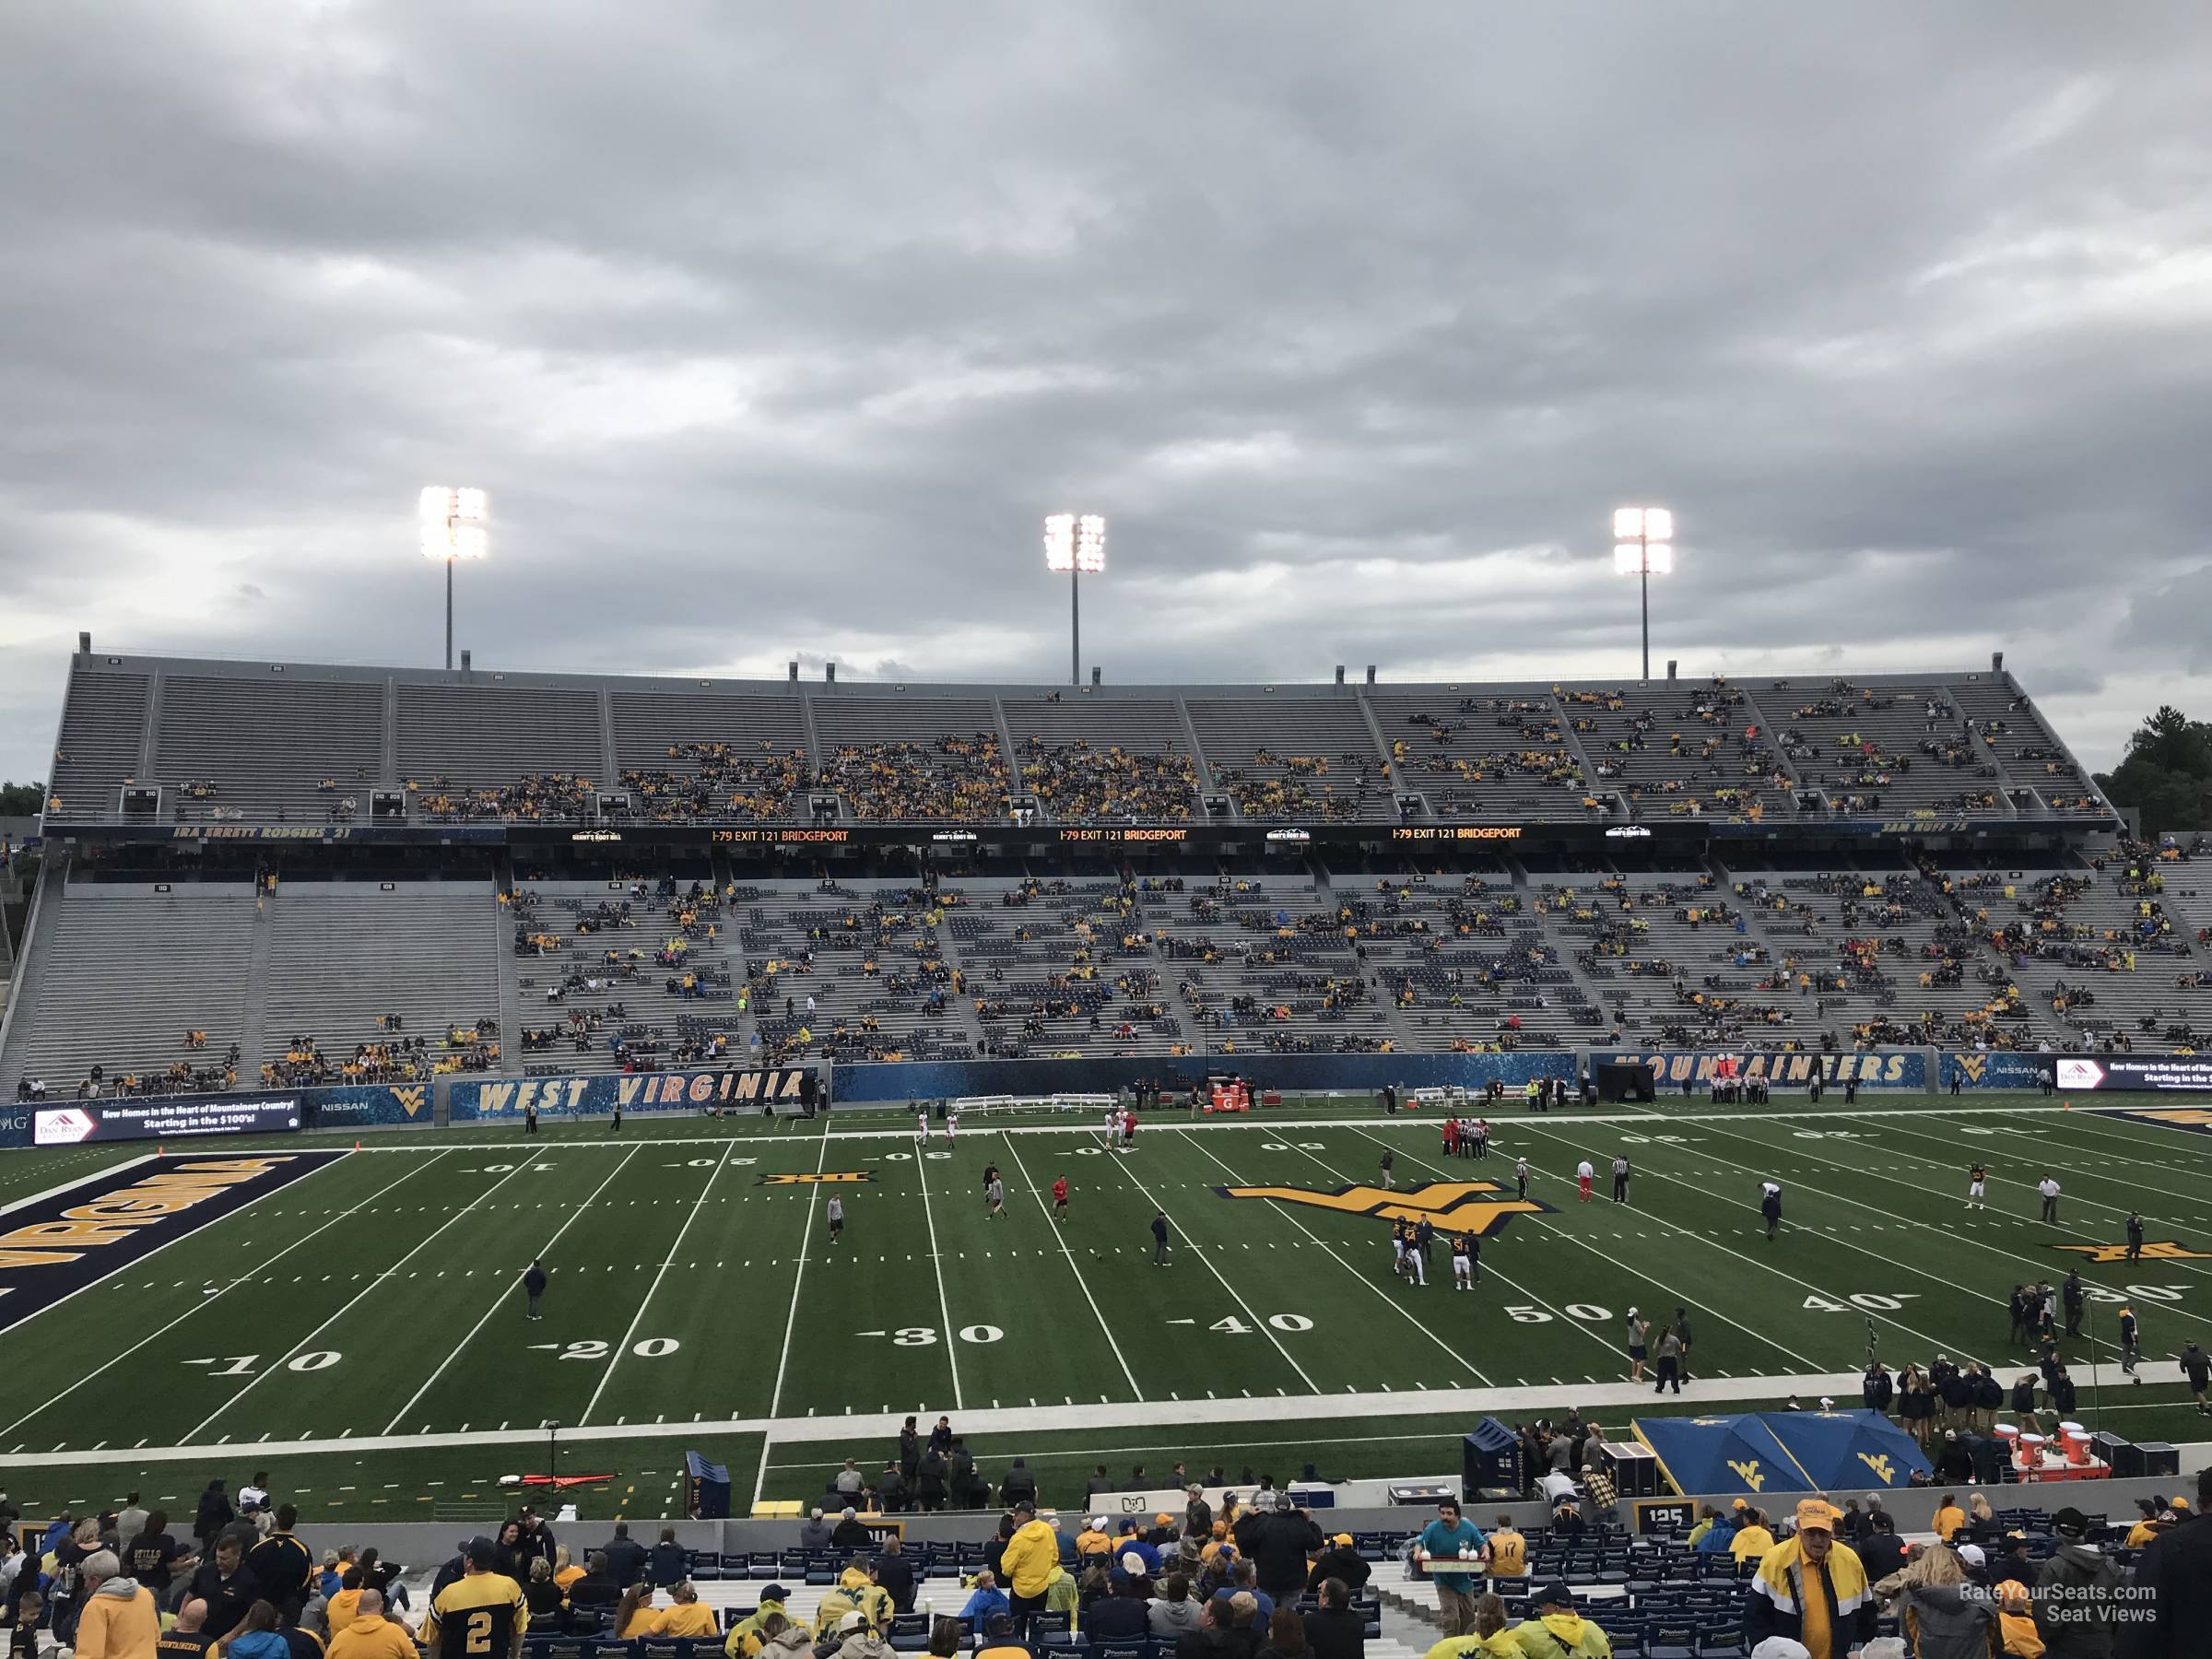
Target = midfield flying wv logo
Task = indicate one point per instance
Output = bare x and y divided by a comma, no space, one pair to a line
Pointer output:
1456,1205
1884,1470
1750,1474
2165,1250
825,1178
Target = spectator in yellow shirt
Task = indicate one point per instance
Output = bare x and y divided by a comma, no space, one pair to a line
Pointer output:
1950,1518
1752,1539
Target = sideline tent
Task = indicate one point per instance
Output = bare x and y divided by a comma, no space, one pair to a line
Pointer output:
1845,1449
1737,1453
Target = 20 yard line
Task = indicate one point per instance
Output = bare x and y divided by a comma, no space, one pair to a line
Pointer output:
233,1284
952,1345
615,1360
391,1272
1077,1271
454,1352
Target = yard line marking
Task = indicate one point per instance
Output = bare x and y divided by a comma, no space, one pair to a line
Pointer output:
1940,1345
1390,1301
1103,1329
1199,1250
943,1307
1905,1220
205,1300
454,1353
1656,1284
791,1319
390,1272
615,1359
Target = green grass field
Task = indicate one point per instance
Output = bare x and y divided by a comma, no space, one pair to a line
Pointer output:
697,1300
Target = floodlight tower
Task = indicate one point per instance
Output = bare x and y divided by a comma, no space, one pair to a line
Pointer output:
1643,544
456,524
1075,542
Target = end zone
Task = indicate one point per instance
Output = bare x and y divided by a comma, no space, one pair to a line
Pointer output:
65,1241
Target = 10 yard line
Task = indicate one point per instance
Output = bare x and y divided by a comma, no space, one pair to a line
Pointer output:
952,1345
638,1317
454,1353
233,1284
391,1272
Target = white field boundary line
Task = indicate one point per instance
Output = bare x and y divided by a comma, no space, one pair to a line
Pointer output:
791,1319
1268,1123
2027,1188
501,1300
205,1301
1682,1297
1060,1238
1302,1409
936,1265
391,1272
105,1173
614,1360
1389,1301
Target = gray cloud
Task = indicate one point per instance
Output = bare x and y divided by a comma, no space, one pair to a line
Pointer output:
775,333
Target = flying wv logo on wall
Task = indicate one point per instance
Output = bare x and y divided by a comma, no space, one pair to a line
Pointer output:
1458,1206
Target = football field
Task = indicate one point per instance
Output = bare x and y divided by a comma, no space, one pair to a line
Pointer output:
698,1299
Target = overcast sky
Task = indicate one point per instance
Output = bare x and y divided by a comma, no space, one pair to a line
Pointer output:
774,331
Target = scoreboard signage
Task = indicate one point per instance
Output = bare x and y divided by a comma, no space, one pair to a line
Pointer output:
173,1117
2130,1074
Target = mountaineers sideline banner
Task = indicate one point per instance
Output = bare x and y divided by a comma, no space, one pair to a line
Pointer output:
58,1244
786,1088
1883,1068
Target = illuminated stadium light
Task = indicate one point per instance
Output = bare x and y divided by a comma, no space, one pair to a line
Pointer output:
454,525
1076,543
1643,547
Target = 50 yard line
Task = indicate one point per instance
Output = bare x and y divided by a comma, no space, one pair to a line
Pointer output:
638,1317
454,1352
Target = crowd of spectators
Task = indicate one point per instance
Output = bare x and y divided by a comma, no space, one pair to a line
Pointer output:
955,779
549,797
714,783
1082,783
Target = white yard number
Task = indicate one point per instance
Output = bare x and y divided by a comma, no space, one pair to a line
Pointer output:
1233,1327
926,1336
651,1348
1826,1134
241,1365
584,1351
2155,1292
1872,1302
887,1157
1589,1310
1528,1315
1291,1146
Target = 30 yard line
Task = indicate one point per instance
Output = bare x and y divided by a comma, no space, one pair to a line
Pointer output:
1075,1269
390,1272
952,1345
454,1352
638,1318
233,1284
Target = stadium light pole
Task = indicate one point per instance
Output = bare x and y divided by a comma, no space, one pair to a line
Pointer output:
1075,542
1644,544
456,524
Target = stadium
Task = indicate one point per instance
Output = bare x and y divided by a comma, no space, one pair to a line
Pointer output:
856,1070
633,979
